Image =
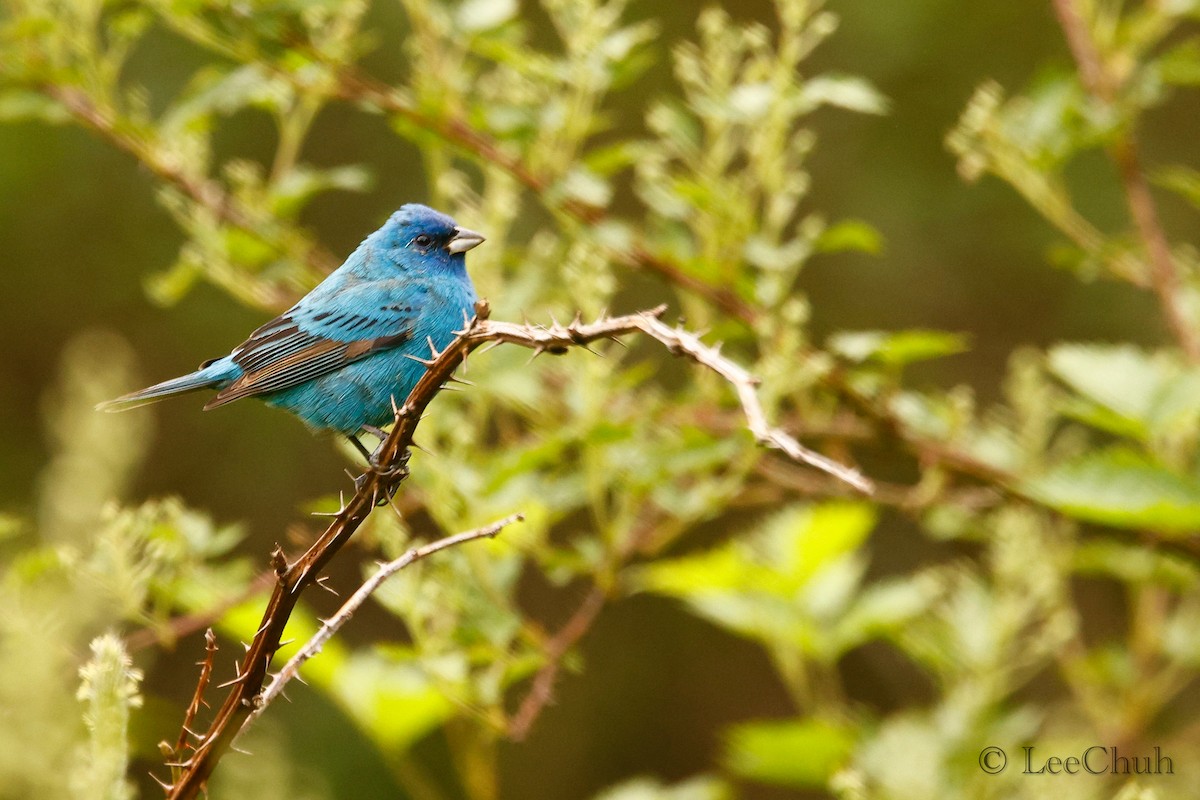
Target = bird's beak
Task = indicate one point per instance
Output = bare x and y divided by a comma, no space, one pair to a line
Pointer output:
463,241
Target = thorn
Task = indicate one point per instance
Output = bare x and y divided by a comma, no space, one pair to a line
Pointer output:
575,323
413,444
323,582
278,561
463,381
236,749
231,682
285,643
166,787
492,345
432,347
426,361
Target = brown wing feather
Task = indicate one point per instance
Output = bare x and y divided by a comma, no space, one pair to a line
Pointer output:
298,366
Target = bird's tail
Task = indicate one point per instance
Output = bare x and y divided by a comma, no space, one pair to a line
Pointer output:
204,378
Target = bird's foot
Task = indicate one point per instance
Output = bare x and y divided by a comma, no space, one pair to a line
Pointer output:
390,477
385,489
377,432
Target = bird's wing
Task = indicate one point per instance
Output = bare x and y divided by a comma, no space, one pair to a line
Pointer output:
313,339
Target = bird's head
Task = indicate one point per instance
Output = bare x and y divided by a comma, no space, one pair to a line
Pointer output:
418,236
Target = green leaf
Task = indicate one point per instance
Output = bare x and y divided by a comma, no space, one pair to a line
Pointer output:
1120,487
481,15
1182,180
897,348
1124,390
391,696
884,608
303,183
850,234
1180,65
20,104
794,753
586,186
701,787
1135,564
844,91
785,585
1121,379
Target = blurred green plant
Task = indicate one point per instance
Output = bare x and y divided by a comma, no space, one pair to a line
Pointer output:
1086,472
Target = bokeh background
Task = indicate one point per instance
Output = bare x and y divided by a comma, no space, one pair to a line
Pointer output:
80,231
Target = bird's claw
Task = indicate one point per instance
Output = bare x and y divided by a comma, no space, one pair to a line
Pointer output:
390,477
385,489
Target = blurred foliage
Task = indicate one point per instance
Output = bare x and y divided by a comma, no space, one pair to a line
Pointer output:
635,477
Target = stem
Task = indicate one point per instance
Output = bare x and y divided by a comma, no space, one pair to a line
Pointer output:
1165,278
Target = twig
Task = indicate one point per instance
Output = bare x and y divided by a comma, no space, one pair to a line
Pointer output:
186,624
541,691
175,754
332,625
679,342
1164,274
202,190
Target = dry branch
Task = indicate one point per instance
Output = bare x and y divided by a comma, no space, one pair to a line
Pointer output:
388,470
332,625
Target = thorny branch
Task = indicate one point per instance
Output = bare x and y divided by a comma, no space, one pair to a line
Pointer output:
679,342
332,625
388,470
174,754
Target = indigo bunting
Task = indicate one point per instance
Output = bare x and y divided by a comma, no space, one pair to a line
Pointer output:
339,357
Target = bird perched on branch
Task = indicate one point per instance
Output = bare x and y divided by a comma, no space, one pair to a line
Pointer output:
355,344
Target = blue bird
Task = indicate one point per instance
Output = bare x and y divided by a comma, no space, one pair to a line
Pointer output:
340,356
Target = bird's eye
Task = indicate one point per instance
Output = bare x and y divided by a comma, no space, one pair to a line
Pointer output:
424,240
